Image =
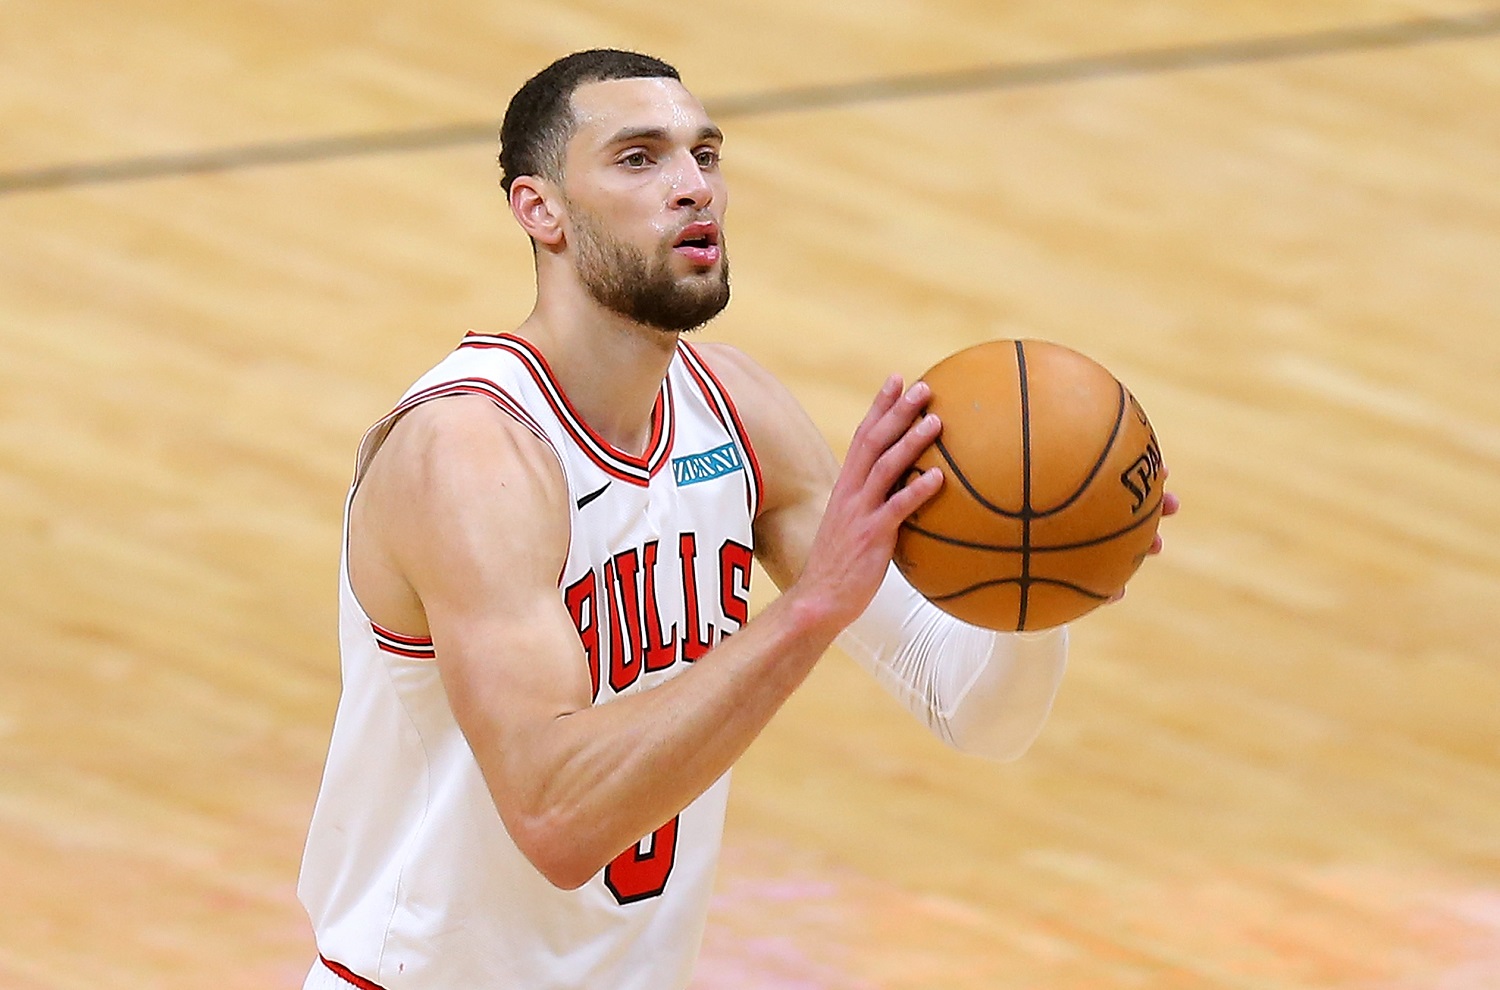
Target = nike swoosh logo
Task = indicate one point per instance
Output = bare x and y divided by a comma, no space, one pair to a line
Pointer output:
586,499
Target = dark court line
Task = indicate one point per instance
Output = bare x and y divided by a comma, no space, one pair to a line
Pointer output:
1147,61
1132,63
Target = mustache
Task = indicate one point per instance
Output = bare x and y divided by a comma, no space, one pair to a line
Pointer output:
700,218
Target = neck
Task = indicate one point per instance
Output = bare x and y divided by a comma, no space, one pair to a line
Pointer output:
611,368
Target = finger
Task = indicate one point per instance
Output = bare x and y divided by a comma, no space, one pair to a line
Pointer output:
889,393
897,419
914,494
861,452
1156,545
1170,503
901,455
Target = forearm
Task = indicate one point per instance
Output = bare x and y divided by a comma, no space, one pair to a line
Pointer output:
586,785
982,692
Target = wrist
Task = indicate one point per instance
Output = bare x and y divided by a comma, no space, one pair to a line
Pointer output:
813,617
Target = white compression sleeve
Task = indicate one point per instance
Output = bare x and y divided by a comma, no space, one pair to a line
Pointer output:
982,692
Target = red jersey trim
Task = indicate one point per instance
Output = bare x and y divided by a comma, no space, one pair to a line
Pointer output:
412,647
610,459
477,386
348,975
723,407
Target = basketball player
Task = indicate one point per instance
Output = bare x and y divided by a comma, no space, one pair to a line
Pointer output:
549,666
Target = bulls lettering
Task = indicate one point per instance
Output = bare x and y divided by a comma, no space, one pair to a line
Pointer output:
582,601
661,652
693,645
734,582
625,651
634,616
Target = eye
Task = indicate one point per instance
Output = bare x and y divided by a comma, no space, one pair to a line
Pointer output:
707,157
635,159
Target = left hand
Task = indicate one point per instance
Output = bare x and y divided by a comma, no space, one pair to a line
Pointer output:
1170,503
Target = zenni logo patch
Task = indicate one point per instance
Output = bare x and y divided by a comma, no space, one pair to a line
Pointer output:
707,465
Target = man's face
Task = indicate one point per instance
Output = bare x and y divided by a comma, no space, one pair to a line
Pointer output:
645,201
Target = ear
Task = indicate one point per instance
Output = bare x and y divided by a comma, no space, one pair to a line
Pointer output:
537,209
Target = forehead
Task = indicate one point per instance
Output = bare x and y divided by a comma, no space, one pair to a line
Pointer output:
602,110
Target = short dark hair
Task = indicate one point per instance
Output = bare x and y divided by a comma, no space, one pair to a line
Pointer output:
539,120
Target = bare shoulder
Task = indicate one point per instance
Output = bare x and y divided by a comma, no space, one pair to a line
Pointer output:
755,391
777,423
442,497
465,445
797,466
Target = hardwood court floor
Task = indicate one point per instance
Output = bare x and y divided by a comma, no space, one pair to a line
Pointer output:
1275,765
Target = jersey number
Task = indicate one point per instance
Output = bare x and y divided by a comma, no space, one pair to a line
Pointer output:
641,871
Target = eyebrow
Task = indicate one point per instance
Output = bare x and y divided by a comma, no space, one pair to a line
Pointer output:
708,132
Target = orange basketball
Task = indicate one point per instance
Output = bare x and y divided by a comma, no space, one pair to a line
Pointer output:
1052,489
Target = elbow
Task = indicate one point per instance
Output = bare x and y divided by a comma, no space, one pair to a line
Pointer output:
1002,737
563,871
1002,713
1002,744
556,851
565,878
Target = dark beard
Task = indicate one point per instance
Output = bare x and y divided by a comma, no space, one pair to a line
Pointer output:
623,280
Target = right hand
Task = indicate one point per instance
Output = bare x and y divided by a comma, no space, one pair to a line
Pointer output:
857,536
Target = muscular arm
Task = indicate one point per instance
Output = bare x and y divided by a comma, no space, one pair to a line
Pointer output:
462,523
983,692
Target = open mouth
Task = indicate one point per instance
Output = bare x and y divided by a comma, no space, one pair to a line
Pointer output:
699,242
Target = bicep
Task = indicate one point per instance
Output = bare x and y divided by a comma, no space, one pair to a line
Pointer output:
478,527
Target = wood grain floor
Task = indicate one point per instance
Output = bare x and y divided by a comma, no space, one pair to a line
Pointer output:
1275,765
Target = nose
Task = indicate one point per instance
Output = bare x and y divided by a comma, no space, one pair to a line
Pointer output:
690,185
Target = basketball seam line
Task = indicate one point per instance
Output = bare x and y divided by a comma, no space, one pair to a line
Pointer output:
1023,582
1109,445
963,479
1000,548
1026,508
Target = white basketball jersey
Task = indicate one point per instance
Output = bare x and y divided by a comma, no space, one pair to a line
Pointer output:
409,876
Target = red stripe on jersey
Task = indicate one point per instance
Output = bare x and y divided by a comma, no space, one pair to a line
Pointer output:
478,386
413,647
347,975
608,458
614,462
661,440
721,404
399,638
409,654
